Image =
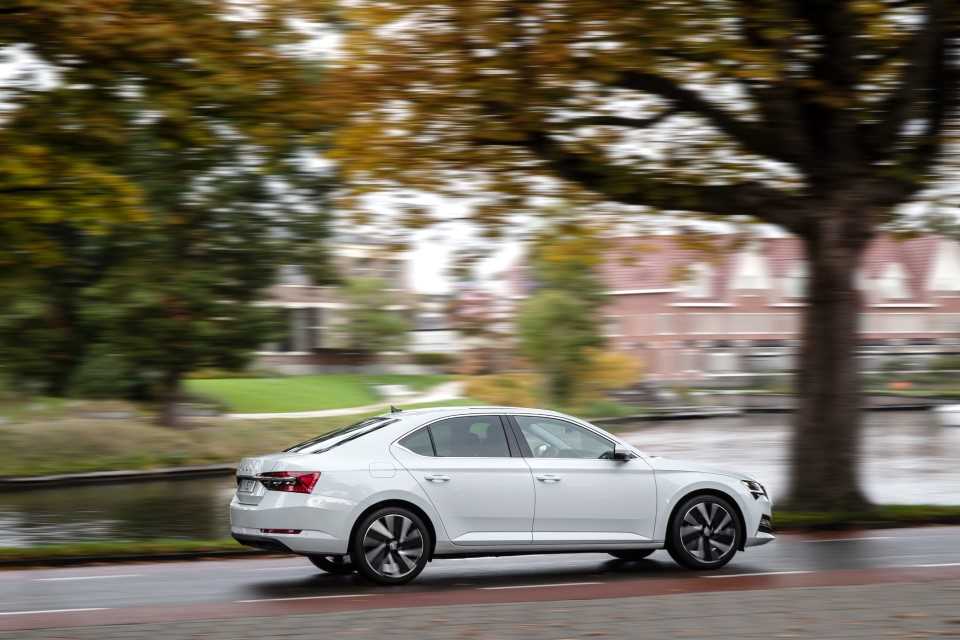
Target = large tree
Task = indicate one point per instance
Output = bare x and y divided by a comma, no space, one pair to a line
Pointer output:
150,189
819,116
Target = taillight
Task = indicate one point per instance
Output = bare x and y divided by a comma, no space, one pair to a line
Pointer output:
290,481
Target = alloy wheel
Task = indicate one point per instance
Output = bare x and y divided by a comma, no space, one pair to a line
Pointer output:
393,545
708,532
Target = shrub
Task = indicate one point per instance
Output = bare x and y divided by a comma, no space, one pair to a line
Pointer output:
946,363
608,371
510,389
104,374
434,359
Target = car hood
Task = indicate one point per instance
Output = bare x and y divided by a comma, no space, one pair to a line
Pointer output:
675,464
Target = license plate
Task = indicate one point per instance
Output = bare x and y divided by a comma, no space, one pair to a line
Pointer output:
247,485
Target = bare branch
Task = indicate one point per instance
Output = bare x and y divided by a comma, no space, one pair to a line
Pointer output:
622,185
776,101
942,104
754,137
619,121
917,77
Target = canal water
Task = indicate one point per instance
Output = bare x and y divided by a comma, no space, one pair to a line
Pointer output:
907,458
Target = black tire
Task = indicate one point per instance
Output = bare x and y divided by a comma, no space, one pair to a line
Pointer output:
632,555
337,565
705,532
391,546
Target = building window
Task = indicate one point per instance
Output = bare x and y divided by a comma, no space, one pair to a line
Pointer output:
795,281
699,282
751,271
892,284
945,274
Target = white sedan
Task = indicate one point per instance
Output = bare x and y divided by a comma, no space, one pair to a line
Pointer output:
388,494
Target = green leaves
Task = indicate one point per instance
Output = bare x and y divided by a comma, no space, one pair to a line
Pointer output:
149,195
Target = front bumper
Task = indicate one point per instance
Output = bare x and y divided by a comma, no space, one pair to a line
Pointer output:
764,532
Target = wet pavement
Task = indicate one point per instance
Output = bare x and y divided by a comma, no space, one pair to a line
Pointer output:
160,592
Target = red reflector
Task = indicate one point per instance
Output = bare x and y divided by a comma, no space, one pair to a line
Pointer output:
290,481
287,531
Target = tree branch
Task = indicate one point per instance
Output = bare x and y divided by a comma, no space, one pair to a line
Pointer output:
776,101
755,138
619,121
917,77
628,187
942,104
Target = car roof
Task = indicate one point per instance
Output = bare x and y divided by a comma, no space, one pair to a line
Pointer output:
460,410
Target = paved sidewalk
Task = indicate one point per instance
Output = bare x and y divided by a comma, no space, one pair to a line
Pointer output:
916,610
447,391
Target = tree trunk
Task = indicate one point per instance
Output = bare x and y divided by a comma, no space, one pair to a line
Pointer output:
825,452
168,415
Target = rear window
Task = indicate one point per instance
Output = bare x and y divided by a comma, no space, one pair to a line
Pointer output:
419,442
339,436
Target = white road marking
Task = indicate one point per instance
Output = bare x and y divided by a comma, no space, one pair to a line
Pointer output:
854,539
942,564
105,577
26,613
340,595
762,573
538,586
291,568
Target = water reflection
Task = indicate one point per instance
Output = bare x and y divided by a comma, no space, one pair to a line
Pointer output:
907,459
195,508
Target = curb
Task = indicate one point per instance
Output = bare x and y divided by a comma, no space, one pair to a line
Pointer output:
107,477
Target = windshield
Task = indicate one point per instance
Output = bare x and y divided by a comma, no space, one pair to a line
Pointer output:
339,436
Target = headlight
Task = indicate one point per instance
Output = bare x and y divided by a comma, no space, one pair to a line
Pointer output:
755,488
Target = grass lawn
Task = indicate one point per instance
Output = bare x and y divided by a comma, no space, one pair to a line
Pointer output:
304,393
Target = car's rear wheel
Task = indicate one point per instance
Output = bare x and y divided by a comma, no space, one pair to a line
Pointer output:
337,565
637,554
390,546
705,532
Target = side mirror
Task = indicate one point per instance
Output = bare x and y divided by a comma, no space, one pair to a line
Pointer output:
621,453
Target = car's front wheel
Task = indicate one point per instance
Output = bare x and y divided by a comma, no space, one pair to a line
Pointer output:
390,546
705,532
337,565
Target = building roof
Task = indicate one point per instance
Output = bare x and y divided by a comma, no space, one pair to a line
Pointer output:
657,263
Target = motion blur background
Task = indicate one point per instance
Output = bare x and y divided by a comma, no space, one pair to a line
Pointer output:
726,229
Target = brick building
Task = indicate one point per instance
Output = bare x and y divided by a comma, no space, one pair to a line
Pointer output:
688,316
314,315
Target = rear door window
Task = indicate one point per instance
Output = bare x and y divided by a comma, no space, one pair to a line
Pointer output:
470,437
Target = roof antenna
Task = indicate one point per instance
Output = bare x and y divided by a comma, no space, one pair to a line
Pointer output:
393,409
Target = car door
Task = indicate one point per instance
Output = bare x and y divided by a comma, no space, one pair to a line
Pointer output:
476,478
583,495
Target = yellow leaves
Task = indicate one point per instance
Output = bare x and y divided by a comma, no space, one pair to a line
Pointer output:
40,188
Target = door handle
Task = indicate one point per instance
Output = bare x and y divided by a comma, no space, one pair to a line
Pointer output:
548,477
437,477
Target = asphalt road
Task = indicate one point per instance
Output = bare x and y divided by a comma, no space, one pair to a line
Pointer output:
160,592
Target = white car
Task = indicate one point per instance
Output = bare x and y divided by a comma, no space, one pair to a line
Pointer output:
388,494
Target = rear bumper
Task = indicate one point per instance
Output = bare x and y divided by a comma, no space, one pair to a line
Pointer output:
322,530
261,542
